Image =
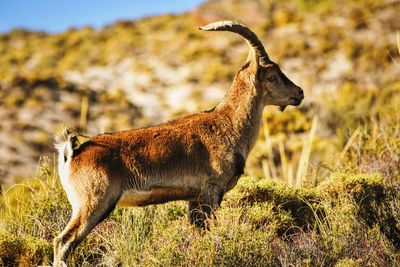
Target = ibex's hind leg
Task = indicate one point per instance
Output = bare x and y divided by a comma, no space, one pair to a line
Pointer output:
209,200
81,223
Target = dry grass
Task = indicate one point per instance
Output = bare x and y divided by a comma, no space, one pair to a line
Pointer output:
286,165
261,223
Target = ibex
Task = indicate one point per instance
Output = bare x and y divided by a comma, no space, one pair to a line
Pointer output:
197,158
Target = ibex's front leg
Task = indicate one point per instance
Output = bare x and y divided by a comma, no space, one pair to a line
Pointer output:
209,200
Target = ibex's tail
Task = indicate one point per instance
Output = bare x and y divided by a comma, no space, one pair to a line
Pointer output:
65,143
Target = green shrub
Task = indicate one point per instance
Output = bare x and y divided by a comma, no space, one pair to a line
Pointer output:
28,251
372,198
301,205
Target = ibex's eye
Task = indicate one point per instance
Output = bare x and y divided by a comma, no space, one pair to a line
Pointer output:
272,78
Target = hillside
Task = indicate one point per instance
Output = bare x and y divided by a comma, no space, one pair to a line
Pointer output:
321,187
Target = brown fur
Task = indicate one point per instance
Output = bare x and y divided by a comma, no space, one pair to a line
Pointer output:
197,158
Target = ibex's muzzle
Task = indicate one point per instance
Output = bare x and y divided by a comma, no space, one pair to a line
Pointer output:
299,97
296,99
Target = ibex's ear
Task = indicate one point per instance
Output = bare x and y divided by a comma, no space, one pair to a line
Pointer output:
253,58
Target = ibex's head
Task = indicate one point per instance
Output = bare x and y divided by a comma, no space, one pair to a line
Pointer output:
276,87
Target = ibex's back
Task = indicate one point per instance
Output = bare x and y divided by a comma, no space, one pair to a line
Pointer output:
197,158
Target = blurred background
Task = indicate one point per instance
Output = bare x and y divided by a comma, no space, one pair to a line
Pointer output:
108,67
53,17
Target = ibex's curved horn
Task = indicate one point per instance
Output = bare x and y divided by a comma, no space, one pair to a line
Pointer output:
245,32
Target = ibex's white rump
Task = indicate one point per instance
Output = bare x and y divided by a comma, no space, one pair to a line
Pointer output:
197,158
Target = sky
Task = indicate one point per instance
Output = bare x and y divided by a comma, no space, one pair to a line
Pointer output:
58,15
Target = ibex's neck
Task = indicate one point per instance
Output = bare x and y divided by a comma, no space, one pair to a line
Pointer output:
243,106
